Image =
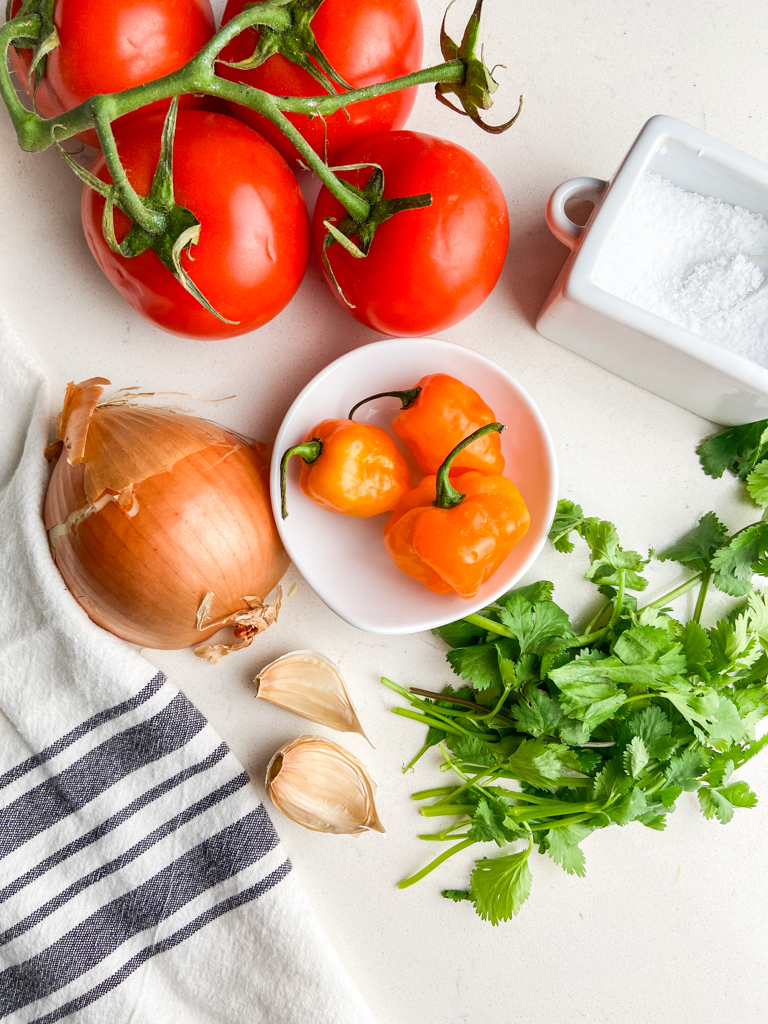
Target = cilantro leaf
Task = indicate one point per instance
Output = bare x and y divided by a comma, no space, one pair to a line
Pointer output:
536,713
538,627
590,702
695,550
491,822
629,808
757,484
472,750
720,803
735,564
610,783
568,518
564,849
609,559
635,757
534,593
684,770
653,727
478,664
697,649
500,886
541,764
737,449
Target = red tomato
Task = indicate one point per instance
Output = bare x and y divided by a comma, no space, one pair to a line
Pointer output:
111,45
365,41
254,238
428,268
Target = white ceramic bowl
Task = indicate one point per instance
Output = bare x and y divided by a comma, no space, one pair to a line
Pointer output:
343,559
638,345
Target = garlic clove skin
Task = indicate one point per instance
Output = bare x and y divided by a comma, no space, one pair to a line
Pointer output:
323,787
309,685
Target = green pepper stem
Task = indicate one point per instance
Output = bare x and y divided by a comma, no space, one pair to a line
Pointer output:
407,398
447,496
310,451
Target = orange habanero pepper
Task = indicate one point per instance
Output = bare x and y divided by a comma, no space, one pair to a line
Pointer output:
351,468
436,415
454,540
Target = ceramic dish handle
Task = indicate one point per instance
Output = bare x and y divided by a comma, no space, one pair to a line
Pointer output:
560,224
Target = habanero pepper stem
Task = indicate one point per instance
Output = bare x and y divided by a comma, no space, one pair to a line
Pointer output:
352,469
447,496
310,451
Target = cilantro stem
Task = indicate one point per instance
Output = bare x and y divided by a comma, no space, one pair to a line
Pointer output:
471,781
518,813
435,863
597,617
493,627
441,724
702,595
438,837
470,704
561,824
674,594
420,754
618,601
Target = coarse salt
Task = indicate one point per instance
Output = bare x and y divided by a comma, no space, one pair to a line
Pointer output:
686,257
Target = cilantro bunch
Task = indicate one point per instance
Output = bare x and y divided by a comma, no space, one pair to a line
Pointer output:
556,734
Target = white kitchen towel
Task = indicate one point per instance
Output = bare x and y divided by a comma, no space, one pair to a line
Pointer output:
141,879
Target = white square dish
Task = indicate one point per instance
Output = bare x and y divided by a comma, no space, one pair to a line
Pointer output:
641,346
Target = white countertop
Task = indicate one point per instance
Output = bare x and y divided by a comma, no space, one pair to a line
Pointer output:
666,927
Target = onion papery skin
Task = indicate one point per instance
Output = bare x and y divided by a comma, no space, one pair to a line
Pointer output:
204,526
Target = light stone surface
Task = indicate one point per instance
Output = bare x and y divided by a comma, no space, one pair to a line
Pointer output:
667,928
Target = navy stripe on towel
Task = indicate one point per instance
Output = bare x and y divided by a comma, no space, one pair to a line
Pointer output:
110,824
81,730
214,861
120,862
102,767
135,962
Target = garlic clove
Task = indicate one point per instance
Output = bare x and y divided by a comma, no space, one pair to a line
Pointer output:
309,685
323,787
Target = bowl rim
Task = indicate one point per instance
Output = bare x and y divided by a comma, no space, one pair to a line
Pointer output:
474,604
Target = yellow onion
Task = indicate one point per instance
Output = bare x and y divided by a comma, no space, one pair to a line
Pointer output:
160,523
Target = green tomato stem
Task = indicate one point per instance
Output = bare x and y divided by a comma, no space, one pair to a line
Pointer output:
152,221
198,76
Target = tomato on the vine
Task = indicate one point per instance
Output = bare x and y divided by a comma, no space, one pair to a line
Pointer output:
113,45
427,268
254,237
366,42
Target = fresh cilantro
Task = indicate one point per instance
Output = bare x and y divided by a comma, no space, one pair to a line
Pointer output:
568,517
563,847
478,664
636,757
736,563
757,484
556,735
501,886
738,449
695,550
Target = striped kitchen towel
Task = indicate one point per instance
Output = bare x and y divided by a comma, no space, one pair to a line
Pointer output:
141,880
